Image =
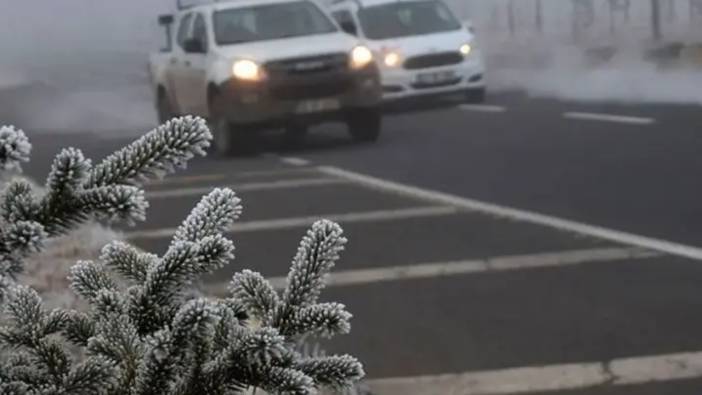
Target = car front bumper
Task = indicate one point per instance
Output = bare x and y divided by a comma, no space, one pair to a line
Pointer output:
307,99
399,83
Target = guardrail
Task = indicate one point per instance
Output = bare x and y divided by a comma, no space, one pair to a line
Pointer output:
586,20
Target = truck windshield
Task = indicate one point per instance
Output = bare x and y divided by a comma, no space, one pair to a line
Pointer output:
407,18
270,22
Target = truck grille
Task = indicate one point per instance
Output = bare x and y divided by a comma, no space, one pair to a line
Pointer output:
309,77
308,65
312,90
433,60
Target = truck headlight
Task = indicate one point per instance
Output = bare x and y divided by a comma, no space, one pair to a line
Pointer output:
466,49
247,70
361,57
392,59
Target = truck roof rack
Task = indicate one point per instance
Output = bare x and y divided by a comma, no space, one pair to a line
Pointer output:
182,6
357,2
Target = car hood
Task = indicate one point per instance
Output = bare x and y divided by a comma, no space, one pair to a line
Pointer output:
429,43
291,47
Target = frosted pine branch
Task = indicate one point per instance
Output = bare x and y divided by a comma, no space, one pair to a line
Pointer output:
128,261
213,215
255,293
76,192
324,319
151,334
155,154
337,372
14,148
316,256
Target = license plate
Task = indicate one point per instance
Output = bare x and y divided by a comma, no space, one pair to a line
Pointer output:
436,78
312,106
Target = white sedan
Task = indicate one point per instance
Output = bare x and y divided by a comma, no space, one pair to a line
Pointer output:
423,49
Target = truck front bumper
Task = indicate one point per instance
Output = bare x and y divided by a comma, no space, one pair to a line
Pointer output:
304,99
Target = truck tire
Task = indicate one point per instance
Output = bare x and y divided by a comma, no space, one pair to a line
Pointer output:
294,136
365,125
163,107
222,131
223,136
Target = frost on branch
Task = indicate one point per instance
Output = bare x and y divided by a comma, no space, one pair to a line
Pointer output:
143,331
75,191
14,148
152,338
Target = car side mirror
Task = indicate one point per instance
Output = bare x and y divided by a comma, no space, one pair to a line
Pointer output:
193,45
166,20
349,27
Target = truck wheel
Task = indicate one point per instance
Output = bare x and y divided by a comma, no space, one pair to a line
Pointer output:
222,132
294,136
365,125
163,107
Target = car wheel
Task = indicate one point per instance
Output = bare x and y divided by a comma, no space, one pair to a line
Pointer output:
476,95
163,107
365,125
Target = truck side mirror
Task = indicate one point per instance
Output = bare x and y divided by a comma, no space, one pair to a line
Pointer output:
349,27
193,45
165,20
469,26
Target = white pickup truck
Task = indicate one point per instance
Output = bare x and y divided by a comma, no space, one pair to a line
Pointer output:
247,65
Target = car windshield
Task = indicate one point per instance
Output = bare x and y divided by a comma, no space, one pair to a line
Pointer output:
270,22
407,18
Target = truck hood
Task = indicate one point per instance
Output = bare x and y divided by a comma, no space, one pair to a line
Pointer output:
270,50
429,43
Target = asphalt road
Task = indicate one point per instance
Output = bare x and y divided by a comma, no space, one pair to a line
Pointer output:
450,291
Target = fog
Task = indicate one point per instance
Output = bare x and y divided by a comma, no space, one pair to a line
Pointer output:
81,64
78,64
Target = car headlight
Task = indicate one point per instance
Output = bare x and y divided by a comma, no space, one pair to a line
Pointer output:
361,57
247,70
392,59
466,49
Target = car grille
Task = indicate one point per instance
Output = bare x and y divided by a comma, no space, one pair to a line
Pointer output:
309,77
452,82
336,62
433,60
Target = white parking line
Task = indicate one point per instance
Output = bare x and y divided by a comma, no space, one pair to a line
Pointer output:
519,215
586,116
296,222
482,108
248,187
187,179
295,161
636,370
443,269
218,177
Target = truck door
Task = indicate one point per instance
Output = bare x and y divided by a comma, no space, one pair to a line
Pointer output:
197,48
176,66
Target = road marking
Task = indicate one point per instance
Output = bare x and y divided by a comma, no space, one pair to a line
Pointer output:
586,116
248,187
187,179
482,108
218,177
296,222
295,161
517,214
471,266
636,370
